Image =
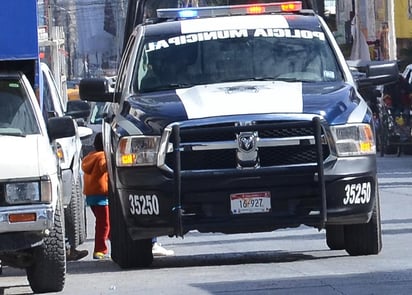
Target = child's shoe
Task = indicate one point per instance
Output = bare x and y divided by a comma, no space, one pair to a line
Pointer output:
100,256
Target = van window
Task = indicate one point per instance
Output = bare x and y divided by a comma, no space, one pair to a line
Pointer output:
52,104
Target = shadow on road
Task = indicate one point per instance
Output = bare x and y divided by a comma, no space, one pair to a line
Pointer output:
218,259
385,283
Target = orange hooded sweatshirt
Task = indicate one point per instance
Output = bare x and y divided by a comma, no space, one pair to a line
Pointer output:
95,174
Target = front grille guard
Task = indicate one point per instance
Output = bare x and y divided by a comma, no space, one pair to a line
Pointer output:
178,174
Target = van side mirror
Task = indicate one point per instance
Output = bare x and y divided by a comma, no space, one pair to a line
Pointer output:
60,127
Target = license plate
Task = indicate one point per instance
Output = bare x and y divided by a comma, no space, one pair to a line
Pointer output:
244,203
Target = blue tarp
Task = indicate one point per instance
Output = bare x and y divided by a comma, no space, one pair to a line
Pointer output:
18,30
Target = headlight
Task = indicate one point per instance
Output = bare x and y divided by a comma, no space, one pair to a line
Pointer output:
354,140
137,151
22,192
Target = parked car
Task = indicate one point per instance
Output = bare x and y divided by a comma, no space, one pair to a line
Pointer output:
69,152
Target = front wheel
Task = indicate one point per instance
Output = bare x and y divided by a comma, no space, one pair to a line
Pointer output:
365,239
126,252
48,271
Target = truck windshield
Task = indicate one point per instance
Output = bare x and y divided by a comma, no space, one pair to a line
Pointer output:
16,112
172,62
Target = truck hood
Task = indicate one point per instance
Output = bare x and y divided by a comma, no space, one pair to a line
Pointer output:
25,157
336,102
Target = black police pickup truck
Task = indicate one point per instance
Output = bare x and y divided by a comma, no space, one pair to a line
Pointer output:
238,119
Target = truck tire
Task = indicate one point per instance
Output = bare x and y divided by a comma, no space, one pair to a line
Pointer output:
125,251
82,212
83,221
335,238
75,216
48,271
72,217
365,239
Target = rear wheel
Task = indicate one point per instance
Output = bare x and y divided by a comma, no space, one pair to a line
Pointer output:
126,252
365,239
72,217
47,273
82,213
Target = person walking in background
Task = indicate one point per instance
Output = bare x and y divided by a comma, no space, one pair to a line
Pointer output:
96,192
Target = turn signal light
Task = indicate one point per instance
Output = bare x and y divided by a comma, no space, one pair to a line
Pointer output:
22,217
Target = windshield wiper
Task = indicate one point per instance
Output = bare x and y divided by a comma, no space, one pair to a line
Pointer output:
262,79
167,87
290,79
180,85
269,78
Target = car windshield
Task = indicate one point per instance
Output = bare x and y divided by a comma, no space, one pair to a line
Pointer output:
16,112
170,62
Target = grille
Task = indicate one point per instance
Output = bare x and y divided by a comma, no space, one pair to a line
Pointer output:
216,147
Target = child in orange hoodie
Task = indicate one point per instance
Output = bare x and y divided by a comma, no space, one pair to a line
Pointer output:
96,191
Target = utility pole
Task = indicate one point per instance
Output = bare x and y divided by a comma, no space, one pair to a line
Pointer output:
390,10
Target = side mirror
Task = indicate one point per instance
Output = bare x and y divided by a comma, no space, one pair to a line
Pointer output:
373,73
383,73
78,109
95,89
60,127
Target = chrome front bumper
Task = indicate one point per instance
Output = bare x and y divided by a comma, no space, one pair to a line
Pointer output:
44,218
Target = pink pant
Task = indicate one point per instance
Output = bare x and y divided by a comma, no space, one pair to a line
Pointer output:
102,228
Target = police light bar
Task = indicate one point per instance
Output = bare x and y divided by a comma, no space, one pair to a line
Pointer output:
212,11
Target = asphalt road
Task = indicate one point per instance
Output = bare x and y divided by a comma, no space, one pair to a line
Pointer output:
292,261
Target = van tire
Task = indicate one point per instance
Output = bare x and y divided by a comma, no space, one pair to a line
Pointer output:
72,217
82,213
